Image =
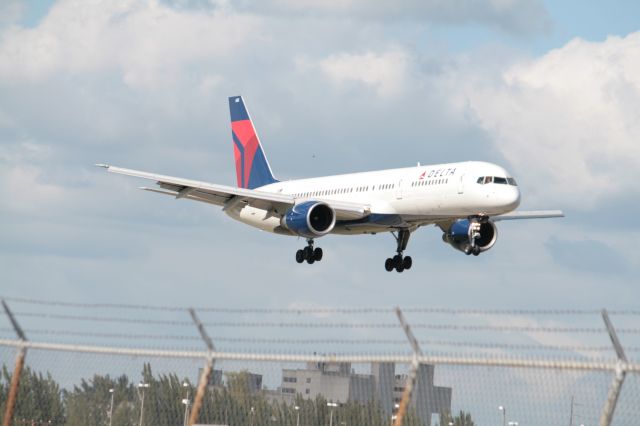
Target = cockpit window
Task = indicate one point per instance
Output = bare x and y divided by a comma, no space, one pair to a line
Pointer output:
497,179
500,180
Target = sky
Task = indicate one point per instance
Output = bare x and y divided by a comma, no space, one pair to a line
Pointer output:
549,90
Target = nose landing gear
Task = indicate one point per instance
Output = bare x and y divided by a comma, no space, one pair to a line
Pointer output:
474,234
310,254
400,262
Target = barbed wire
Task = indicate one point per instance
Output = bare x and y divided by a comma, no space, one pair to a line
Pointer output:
329,325
319,341
321,310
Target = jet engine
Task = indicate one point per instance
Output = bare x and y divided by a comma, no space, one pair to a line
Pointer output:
310,219
471,237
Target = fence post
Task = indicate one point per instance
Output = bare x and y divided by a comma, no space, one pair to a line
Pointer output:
17,371
206,371
413,371
620,373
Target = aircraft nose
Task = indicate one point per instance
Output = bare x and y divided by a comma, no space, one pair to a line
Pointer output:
512,198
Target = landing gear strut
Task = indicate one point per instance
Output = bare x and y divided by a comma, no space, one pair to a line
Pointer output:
400,262
309,253
474,234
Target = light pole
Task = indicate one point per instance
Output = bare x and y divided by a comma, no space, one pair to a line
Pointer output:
186,403
142,386
111,409
297,415
504,415
332,405
393,413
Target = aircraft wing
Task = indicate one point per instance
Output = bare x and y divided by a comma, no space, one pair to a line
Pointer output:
539,214
220,194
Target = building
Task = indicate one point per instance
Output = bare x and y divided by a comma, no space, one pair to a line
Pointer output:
426,398
334,381
337,382
253,380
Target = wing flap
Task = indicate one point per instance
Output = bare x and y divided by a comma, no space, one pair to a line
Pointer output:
220,194
213,193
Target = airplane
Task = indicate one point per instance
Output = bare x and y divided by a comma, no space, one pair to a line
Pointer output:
465,199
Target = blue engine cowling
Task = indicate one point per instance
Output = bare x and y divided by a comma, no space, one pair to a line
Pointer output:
460,233
310,219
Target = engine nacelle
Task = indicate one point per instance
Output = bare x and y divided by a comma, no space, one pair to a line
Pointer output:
310,219
459,235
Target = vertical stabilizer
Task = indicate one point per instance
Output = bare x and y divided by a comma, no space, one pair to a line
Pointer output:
252,167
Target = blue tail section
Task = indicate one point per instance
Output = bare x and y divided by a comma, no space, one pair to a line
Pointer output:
252,167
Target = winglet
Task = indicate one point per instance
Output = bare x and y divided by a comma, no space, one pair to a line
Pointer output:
104,166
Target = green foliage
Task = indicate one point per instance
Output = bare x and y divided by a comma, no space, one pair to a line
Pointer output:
462,419
234,403
39,397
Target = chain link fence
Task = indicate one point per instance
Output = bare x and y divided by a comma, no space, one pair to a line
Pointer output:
106,364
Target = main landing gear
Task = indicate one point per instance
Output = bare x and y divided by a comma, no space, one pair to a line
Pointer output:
399,262
309,253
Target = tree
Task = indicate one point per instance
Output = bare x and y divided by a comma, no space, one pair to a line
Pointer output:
462,419
39,397
89,402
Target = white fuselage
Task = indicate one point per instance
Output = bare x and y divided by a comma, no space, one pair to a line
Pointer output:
415,195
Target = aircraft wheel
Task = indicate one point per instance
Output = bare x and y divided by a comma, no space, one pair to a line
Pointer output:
476,250
407,262
468,250
388,264
307,253
310,260
317,254
400,268
299,256
397,260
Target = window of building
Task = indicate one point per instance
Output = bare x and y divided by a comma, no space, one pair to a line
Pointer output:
307,391
288,390
289,379
308,379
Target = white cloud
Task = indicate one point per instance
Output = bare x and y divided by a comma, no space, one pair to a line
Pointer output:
569,118
514,16
146,41
10,12
25,190
384,72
